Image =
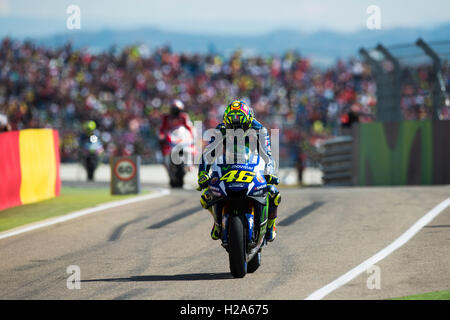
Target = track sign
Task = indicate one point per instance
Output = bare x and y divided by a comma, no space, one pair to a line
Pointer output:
125,175
125,169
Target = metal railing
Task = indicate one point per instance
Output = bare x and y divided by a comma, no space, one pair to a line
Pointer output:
337,161
392,66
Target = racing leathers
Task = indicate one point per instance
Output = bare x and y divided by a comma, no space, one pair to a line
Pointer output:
264,148
169,123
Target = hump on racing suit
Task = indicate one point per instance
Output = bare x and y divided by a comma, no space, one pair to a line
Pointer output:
264,145
170,122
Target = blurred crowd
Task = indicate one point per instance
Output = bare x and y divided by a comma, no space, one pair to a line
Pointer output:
126,92
417,92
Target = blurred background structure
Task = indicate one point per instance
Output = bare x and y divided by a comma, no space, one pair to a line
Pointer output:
127,92
408,141
410,80
60,82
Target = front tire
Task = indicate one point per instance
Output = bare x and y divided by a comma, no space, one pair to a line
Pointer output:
236,252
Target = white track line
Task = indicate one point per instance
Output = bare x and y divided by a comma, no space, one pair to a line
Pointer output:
400,241
73,215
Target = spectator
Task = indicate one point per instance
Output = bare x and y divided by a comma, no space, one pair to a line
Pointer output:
4,125
126,93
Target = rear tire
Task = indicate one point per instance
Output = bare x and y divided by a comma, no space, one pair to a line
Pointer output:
180,176
236,245
91,165
176,175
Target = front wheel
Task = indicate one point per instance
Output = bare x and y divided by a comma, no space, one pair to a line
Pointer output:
236,245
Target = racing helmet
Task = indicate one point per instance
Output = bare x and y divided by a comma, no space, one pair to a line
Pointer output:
238,115
89,126
176,107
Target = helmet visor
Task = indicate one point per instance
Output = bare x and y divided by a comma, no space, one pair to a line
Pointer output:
236,120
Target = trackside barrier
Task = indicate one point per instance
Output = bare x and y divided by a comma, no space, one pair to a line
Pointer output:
29,166
413,152
337,161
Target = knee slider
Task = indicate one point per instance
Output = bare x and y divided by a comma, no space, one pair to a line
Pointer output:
204,199
203,202
277,199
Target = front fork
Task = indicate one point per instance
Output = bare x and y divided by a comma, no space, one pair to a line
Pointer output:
221,218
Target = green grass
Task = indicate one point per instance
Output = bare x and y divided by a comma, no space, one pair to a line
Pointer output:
71,199
438,295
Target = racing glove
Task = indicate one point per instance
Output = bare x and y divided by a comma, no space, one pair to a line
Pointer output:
272,179
203,179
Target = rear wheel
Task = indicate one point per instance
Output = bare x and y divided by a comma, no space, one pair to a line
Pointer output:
91,165
176,175
236,245
180,176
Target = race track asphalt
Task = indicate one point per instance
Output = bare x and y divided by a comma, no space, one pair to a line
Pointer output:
161,249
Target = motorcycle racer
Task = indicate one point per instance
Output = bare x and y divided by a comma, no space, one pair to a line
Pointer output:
238,115
91,148
176,118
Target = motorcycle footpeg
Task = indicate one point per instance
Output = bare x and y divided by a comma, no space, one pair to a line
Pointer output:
251,245
225,245
252,250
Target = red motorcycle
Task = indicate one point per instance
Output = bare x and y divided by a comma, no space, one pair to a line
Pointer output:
178,152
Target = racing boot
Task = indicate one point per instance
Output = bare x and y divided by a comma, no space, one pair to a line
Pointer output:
216,231
274,201
204,201
271,232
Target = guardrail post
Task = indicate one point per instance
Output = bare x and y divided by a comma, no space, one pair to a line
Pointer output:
391,111
388,100
438,83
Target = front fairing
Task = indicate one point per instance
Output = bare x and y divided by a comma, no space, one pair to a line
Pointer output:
243,179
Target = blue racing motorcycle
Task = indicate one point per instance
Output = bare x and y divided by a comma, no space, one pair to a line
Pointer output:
239,203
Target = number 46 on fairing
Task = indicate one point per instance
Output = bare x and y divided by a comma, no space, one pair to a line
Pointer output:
244,176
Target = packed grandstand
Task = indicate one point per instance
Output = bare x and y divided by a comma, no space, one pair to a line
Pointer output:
126,92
